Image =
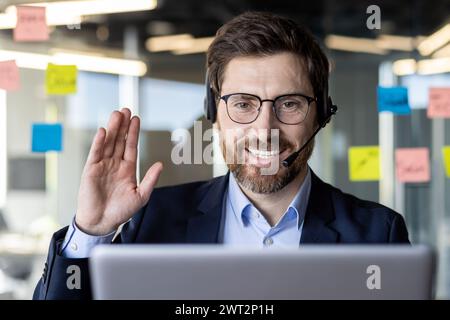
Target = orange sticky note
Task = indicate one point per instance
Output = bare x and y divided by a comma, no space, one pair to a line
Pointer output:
412,164
439,103
31,24
9,75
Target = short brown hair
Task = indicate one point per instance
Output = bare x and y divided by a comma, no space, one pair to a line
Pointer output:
260,34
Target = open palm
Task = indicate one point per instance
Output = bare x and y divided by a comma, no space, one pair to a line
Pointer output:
109,194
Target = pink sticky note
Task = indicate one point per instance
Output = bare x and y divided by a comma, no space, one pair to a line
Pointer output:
412,164
9,75
31,24
439,103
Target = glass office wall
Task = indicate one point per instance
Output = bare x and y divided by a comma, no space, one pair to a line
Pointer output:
41,188
427,205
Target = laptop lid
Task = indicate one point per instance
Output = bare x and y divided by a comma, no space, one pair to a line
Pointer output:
191,272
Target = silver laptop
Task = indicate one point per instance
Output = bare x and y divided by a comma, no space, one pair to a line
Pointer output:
192,272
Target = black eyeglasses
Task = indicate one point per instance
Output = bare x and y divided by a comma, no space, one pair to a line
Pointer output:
245,108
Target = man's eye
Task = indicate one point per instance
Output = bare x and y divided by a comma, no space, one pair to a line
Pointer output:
290,105
242,105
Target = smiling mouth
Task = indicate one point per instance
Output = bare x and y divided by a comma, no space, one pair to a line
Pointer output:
263,154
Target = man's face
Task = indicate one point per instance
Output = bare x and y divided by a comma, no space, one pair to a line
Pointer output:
267,77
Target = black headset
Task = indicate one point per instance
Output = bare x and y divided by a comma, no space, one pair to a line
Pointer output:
325,107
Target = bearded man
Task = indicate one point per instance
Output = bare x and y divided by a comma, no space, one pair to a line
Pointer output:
267,93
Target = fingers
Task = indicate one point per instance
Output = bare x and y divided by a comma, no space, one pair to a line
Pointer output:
112,132
149,181
120,139
114,144
96,152
131,142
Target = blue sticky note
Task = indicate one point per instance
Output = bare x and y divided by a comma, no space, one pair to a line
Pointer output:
46,137
393,99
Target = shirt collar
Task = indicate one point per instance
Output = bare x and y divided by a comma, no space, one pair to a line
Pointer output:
242,207
238,200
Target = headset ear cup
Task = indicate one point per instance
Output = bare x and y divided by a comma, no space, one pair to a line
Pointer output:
326,108
205,108
210,105
331,110
322,109
332,107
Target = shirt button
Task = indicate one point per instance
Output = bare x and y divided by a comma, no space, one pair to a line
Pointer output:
268,241
74,246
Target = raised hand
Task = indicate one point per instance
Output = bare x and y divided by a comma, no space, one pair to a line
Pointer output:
109,194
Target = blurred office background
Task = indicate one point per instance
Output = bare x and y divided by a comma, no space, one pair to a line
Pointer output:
159,73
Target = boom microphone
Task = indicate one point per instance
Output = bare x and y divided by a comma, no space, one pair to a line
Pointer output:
291,158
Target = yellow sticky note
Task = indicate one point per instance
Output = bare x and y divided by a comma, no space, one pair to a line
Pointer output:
61,79
364,163
446,154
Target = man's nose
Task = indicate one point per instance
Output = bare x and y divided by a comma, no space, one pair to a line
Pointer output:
266,118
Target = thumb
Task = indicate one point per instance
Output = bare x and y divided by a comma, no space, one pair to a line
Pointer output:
149,181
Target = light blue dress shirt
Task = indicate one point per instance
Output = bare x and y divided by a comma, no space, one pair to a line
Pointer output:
245,225
241,224
78,244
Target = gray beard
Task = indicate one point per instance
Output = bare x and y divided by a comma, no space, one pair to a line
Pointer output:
263,184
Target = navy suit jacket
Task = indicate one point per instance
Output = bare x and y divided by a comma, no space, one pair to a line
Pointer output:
191,213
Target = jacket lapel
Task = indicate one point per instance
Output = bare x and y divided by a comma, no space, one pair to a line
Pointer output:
317,227
203,227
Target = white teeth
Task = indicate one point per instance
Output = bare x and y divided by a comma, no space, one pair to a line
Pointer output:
263,154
